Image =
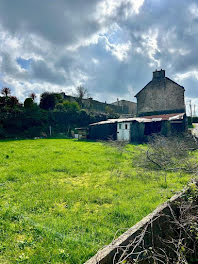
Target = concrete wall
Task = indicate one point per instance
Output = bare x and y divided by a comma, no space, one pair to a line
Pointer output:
159,223
161,95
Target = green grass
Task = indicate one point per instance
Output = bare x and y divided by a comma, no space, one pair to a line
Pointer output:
62,200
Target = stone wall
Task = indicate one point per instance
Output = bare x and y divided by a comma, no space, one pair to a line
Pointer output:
157,220
127,107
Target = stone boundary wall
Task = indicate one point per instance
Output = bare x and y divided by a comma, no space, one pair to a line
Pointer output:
106,255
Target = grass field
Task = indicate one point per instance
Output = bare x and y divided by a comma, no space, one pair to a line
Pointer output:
62,200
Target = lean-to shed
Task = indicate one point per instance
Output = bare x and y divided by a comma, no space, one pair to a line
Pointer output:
103,130
138,129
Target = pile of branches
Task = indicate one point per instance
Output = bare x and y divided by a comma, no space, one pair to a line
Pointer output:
172,153
169,238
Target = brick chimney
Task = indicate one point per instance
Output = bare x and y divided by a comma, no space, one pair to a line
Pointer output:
159,74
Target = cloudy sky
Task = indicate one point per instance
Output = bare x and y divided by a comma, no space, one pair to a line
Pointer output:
111,47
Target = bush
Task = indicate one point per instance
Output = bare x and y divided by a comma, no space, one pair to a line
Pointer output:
170,153
28,103
68,106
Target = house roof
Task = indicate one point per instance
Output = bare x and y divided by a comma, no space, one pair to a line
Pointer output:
124,101
152,80
145,119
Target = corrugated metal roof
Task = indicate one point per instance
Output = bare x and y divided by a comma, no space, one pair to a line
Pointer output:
137,119
144,119
108,121
175,116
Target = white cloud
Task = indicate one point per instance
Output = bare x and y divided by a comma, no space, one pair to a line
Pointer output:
109,46
150,45
95,61
182,76
193,8
120,50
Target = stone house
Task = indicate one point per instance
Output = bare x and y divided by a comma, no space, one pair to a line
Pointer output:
160,109
127,107
124,107
160,96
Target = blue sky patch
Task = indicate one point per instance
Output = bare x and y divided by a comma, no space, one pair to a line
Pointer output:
24,64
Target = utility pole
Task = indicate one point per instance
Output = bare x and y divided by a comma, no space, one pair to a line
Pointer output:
190,105
50,130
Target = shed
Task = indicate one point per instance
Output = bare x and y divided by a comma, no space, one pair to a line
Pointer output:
103,130
138,129
82,133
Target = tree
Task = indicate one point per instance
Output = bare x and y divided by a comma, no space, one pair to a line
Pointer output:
13,101
68,106
33,96
9,103
170,154
28,103
81,92
48,101
5,91
109,110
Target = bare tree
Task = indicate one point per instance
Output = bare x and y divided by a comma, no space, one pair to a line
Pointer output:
6,91
33,96
81,93
172,153
169,154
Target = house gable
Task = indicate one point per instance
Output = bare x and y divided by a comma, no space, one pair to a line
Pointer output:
160,95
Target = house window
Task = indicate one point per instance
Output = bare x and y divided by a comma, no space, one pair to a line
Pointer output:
126,127
120,126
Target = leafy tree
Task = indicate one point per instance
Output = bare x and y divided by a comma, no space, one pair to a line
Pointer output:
28,103
6,91
9,102
13,101
68,106
48,101
3,101
59,97
109,110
